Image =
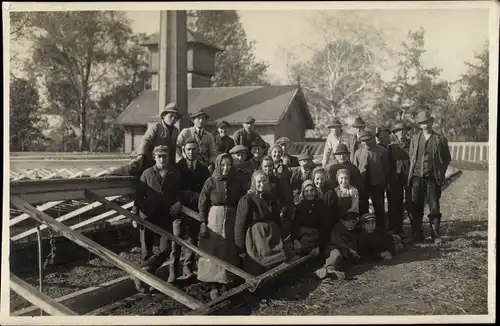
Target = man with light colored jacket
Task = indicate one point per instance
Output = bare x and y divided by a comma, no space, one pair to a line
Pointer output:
337,136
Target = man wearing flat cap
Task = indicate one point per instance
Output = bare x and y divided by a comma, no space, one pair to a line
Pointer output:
246,135
355,143
301,174
290,161
429,160
399,166
373,164
205,140
223,142
163,132
337,136
158,201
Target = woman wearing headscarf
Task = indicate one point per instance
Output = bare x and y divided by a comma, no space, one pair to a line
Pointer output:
257,232
310,223
217,208
280,169
348,196
326,193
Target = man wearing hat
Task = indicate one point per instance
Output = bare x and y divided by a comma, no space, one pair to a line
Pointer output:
383,136
163,132
158,201
205,140
399,165
342,156
337,136
246,135
373,164
355,142
257,151
223,142
429,159
302,173
289,160
243,166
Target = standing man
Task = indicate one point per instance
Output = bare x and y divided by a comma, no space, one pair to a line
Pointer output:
355,142
158,201
399,165
164,133
223,142
373,164
342,156
383,136
205,140
429,160
193,175
246,135
337,136
289,160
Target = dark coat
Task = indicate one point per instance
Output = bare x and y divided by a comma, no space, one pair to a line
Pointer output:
159,134
290,160
343,239
156,194
296,180
373,164
375,243
440,151
399,159
331,201
311,214
220,193
191,182
242,137
223,144
354,145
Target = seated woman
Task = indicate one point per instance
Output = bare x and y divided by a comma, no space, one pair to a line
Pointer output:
347,194
217,208
277,189
329,196
310,222
257,232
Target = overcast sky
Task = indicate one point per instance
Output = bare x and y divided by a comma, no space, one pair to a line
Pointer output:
452,35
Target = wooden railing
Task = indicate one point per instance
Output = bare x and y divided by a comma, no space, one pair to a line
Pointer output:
25,194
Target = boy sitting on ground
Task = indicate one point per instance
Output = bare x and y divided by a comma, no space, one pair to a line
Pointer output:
342,247
375,243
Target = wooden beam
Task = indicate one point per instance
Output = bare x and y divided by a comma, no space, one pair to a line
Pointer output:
66,217
41,191
233,269
88,163
39,299
221,301
106,254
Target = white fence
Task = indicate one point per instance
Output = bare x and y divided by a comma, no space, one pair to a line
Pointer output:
469,151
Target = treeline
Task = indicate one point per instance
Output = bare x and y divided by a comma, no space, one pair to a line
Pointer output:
343,78
82,69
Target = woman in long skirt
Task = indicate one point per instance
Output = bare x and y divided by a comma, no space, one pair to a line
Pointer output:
217,208
257,231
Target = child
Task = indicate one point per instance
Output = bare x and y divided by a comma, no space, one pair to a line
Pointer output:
375,242
341,250
347,194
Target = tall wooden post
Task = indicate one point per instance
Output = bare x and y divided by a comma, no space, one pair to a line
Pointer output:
172,70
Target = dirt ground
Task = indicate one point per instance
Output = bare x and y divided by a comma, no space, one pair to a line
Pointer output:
451,279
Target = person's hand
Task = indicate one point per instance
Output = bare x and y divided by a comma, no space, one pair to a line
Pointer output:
354,253
175,209
203,230
386,255
297,245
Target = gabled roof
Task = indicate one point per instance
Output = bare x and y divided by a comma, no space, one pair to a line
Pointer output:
267,104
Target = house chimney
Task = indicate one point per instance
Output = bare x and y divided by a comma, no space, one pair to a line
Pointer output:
200,60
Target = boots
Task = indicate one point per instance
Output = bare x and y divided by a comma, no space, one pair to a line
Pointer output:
173,270
435,225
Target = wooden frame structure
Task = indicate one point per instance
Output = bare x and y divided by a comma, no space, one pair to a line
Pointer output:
25,194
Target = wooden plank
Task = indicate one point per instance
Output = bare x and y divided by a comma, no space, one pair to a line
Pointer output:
100,217
106,254
233,269
65,217
40,191
72,296
51,163
284,267
221,301
39,299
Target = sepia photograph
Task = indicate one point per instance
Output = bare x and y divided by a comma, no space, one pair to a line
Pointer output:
272,159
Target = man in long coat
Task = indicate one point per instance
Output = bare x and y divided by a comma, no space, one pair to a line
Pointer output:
429,160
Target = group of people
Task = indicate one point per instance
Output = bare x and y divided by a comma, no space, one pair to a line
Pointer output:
259,206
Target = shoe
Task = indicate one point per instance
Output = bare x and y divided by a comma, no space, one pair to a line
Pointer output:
321,273
140,286
335,274
214,294
188,272
437,241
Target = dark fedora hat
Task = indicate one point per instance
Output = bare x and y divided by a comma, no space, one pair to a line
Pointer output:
335,124
169,108
366,135
423,117
350,215
199,114
341,149
358,122
399,125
